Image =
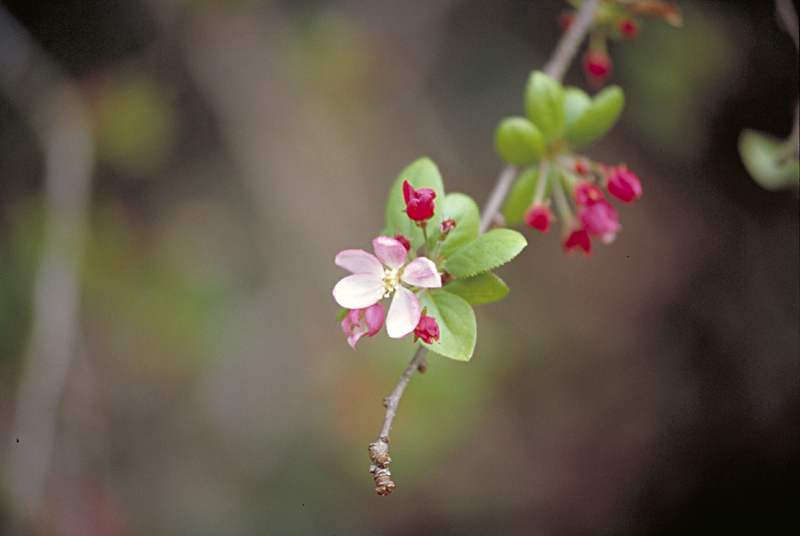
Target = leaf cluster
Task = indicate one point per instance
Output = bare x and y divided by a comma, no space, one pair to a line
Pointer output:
464,256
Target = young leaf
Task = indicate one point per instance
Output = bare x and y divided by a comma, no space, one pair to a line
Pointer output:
576,102
598,118
544,104
456,321
478,289
485,253
341,314
421,173
521,196
518,141
464,211
767,161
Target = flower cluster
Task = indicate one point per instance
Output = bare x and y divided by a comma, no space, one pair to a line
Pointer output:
617,20
390,273
593,215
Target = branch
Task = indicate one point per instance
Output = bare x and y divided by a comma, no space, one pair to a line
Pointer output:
55,108
379,451
568,45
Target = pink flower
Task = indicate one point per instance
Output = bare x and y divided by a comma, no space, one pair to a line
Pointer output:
419,203
360,322
427,329
600,219
587,193
380,276
578,239
539,217
623,184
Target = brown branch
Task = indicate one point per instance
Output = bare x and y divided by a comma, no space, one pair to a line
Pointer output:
379,451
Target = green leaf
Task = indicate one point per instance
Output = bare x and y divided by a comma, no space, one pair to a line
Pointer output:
518,141
598,118
521,196
486,252
544,104
576,102
464,211
478,289
421,173
457,329
767,160
341,314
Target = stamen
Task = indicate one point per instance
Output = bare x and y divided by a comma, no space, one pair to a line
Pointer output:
391,279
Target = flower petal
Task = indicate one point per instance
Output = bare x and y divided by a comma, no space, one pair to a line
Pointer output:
404,313
374,316
358,291
421,272
390,252
358,261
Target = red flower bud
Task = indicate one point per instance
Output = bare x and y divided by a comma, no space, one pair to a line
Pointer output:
419,203
446,226
539,217
427,329
597,66
623,184
565,20
581,166
403,240
578,239
628,28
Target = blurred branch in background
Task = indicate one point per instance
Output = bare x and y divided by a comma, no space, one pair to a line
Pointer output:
55,109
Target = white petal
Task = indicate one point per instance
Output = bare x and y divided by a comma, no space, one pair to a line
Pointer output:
358,261
404,313
421,272
358,291
390,252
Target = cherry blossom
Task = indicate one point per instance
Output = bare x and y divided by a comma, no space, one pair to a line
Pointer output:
386,274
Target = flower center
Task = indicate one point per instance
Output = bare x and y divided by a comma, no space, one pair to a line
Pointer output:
391,279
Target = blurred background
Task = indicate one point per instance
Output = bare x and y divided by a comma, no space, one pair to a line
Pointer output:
176,177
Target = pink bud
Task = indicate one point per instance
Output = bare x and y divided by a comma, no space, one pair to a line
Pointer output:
427,329
446,226
419,203
600,219
360,322
566,20
587,193
581,166
578,239
539,217
628,28
403,240
597,66
623,184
